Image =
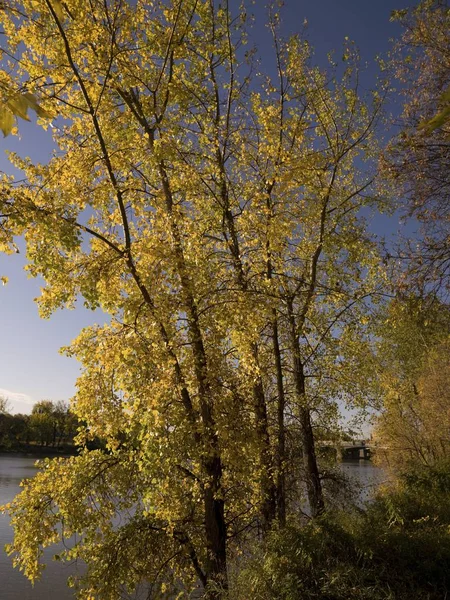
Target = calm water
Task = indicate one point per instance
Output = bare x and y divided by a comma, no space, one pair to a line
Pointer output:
13,585
366,474
53,586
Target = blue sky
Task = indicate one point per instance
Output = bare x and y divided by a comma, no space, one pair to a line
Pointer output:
31,367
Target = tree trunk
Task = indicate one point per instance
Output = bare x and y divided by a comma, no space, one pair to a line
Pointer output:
215,525
216,535
268,489
281,441
312,477
313,482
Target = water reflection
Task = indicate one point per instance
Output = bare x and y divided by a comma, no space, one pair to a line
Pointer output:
53,585
366,475
14,586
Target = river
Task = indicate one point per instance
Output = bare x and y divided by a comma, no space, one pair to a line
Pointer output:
53,585
367,475
14,586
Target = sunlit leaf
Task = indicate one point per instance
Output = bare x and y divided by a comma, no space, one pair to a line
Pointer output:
6,120
34,105
19,106
58,8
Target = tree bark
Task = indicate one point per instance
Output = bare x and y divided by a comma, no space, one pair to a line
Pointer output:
215,525
215,530
268,487
281,440
268,490
312,476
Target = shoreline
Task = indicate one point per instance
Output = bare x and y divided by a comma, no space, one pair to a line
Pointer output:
39,451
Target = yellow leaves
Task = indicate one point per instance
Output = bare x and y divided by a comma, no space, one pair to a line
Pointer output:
17,106
32,102
441,118
62,499
58,8
175,239
6,120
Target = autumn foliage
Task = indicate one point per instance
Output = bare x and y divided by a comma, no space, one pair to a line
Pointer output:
216,216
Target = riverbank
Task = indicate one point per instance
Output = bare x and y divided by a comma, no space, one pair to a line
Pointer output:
37,451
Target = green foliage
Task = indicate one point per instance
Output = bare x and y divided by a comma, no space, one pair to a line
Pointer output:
51,424
14,431
4,405
399,548
442,117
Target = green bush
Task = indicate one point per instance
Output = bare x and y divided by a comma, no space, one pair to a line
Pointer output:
398,548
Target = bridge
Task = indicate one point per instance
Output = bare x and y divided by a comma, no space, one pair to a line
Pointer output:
352,450
358,450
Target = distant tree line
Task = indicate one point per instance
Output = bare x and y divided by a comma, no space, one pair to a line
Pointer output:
50,425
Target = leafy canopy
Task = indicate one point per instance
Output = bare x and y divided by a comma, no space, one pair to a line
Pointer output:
217,219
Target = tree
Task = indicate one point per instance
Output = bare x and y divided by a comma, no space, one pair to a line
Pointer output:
419,155
414,352
42,423
219,225
52,422
13,428
66,423
5,405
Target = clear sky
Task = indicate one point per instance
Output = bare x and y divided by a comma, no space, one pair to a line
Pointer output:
31,367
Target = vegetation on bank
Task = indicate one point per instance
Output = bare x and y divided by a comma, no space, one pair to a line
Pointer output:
398,547
220,218
50,428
